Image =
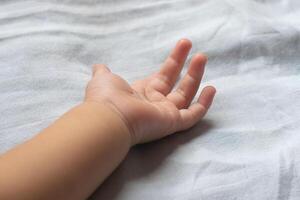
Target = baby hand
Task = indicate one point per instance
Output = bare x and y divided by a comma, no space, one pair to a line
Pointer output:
149,107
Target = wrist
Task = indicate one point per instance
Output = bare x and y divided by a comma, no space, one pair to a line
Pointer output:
104,112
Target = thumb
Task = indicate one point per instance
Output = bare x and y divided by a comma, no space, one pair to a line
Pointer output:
100,69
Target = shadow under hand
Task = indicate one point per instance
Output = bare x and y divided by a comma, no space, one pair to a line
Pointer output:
142,160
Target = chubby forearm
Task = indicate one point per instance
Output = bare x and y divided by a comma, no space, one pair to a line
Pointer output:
69,159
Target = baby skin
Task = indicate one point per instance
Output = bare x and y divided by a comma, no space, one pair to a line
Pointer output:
74,155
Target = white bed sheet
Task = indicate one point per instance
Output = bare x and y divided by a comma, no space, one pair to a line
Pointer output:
248,146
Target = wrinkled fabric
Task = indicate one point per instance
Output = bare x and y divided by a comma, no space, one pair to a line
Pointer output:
248,145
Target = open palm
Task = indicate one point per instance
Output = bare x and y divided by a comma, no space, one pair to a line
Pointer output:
149,107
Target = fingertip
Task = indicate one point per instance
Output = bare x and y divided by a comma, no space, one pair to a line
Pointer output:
185,43
200,57
212,89
197,65
207,95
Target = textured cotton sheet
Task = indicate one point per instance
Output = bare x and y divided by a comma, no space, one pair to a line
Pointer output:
248,146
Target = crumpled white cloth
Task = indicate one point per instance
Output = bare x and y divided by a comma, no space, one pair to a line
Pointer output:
248,146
